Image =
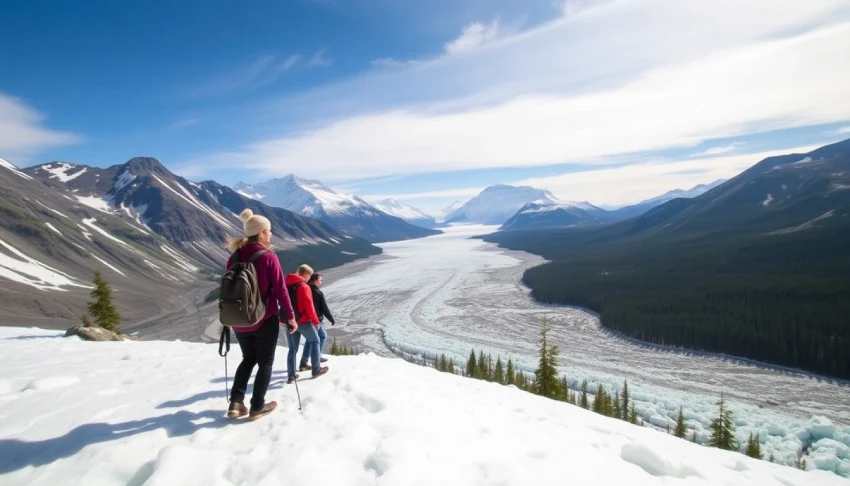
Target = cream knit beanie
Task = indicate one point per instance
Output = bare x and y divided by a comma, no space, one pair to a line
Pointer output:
253,224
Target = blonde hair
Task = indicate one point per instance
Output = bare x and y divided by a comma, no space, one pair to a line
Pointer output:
238,242
305,270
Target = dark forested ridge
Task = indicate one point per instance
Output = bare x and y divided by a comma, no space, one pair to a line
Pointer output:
759,267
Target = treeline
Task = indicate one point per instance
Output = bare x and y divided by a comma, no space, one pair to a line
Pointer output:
780,300
619,405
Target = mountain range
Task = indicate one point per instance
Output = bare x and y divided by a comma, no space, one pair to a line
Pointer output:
756,266
157,237
348,214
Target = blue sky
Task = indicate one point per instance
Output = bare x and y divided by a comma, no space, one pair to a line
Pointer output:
611,101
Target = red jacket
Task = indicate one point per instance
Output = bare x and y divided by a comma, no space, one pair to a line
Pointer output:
269,275
304,298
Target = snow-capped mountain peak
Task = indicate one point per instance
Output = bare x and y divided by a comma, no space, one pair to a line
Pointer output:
347,213
496,204
406,212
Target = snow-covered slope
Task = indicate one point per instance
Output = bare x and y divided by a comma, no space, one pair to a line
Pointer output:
644,206
497,204
445,212
406,212
348,214
152,413
541,215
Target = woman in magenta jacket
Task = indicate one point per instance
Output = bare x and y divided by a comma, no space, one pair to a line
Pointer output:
258,342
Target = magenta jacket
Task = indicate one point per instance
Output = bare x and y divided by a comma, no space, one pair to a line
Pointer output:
270,275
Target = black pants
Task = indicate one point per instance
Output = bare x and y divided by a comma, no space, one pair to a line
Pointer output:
258,348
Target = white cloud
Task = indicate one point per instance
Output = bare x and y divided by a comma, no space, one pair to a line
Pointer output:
320,59
724,149
474,35
597,84
22,132
638,182
842,131
466,192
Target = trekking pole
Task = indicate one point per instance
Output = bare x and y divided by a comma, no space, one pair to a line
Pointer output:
224,345
299,394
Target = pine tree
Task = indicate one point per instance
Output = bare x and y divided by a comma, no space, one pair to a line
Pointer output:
334,348
546,374
694,437
499,373
565,389
625,397
101,308
801,464
599,399
491,375
616,408
723,428
754,447
509,373
771,458
633,418
681,430
482,366
472,366
583,400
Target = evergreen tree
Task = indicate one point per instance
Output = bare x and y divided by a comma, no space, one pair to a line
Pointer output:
771,458
565,389
472,365
723,428
753,447
546,374
509,373
101,307
482,366
616,408
694,437
499,373
583,400
491,375
681,430
599,399
334,348
625,397
801,464
633,418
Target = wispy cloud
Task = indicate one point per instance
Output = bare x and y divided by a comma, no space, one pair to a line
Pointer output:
466,192
842,131
638,182
474,35
719,150
599,83
320,59
22,131
263,71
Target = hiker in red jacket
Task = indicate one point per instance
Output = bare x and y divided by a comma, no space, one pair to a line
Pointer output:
258,342
308,323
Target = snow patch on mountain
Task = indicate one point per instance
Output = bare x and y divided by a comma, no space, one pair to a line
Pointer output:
93,202
496,204
61,171
8,165
29,271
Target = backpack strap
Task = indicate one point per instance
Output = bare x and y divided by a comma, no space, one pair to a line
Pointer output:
256,255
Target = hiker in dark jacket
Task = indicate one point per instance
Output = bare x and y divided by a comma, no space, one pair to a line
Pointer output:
258,342
322,311
308,324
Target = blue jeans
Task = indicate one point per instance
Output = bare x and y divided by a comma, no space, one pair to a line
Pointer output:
311,345
323,337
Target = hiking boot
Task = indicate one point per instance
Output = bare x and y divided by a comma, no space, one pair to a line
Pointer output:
304,367
236,410
324,360
267,409
291,379
320,372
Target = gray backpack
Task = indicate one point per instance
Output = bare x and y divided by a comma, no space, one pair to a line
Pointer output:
239,301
